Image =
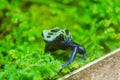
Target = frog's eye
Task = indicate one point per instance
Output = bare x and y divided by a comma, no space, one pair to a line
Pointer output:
60,37
67,34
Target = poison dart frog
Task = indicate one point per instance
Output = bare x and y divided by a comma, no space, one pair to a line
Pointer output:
61,38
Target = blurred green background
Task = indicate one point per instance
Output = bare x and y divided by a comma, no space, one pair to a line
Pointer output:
95,24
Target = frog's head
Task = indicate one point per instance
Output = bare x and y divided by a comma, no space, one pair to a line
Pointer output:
56,34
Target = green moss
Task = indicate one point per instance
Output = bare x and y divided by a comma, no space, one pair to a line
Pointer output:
93,24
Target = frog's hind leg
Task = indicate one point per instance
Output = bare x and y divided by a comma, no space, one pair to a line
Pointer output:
74,52
82,52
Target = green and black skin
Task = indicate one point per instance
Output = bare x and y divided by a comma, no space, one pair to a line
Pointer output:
63,41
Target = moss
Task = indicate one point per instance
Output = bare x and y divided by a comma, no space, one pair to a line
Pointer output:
93,24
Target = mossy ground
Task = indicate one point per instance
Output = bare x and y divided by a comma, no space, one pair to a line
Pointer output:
93,24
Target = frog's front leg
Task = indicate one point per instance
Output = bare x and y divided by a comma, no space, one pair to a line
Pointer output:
49,48
74,52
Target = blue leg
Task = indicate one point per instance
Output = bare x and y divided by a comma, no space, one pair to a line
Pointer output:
74,52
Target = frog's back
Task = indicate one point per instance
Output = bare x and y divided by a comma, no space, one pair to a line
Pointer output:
56,34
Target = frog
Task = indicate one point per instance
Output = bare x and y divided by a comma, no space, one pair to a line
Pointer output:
61,38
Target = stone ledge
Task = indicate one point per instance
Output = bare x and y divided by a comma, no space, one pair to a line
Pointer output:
104,68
